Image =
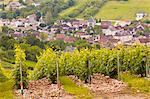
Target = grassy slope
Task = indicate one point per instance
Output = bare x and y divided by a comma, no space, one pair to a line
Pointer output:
136,83
7,1
6,88
123,10
90,9
72,88
78,4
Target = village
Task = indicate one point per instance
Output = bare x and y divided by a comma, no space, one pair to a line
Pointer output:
67,49
108,33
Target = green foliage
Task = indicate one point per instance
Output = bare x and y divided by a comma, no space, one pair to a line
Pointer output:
6,89
6,29
7,65
57,45
2,76
136,83
7,42
46,66
84,62
81,44
32,53
123,9
43,36
33,41
92,8
20,63
70,87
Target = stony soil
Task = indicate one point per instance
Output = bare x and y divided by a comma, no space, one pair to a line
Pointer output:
108,88
43,89
101,87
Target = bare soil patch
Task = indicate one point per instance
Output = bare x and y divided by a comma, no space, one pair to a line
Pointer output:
108,88
43,89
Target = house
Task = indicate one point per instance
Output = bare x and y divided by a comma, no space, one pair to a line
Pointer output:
123,38
36,4
75,23
91,22
122,23
105,24
32,18
83,35
54,29
17,34
14,6
60,37
108,41
79,34
140,15
69,39
145,41
16,23
110,31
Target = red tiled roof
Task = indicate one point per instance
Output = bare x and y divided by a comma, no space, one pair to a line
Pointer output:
105,24
144,40
69,39
80,33
60,36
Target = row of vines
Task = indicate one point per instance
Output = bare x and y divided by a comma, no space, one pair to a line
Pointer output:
85,62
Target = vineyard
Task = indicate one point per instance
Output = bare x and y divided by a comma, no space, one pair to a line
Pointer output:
87,71
86,62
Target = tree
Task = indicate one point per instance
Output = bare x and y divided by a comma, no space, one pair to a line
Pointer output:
7,42
20,71
57,45
2,76
71,2
98,30
34,41
3,15
81,44
46,66
48,17
6,29
32,52
43,36
38,15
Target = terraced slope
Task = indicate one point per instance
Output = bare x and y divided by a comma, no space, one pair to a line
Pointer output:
83,9
123,10
93,7
73,11
6,1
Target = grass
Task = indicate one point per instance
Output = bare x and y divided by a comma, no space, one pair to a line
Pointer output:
72,88
125,10
6,88
7,1
90,10
136,83
30,63
7,64
79,4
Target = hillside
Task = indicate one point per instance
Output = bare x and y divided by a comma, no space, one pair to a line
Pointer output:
111,9
100,9
123,10
83,9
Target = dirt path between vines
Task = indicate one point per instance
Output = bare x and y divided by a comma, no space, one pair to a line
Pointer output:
108,88
101,87
43,89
